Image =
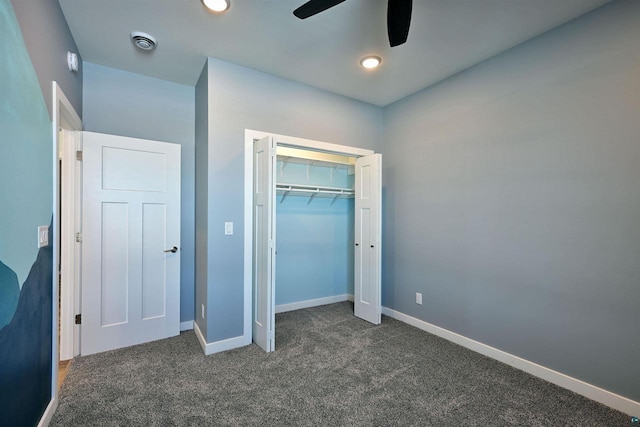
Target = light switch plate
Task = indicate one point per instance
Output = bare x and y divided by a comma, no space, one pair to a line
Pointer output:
228,228
43,236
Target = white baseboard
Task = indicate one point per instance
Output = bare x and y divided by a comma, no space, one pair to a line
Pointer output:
312,303
48,413
186,326
590,391
218,346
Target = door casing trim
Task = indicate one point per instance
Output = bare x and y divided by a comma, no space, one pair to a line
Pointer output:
63,116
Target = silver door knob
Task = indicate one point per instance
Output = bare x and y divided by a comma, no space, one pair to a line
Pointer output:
173,250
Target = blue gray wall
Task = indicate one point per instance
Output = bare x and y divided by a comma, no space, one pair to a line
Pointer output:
48,39
512,200
241,98
26,202
202,195
122,103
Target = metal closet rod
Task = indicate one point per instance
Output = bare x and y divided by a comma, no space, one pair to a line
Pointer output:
312,191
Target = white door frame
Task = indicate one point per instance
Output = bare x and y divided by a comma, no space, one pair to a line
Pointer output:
64,116
70,255
250,136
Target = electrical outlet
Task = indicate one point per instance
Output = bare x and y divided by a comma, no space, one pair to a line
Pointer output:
418,298
228,228
202,313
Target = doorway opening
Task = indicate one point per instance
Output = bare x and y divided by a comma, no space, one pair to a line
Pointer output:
325,201
315,202
66,131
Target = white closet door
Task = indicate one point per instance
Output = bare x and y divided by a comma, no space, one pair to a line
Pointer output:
368,230
131,222
264,268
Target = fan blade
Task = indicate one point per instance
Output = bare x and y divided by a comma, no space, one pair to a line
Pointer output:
312,7
398,21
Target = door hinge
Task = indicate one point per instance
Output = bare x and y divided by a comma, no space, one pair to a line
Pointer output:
78,237
79,155
78,319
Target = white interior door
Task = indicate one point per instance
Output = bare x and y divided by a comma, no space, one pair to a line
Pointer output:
131,218
264,218
368,231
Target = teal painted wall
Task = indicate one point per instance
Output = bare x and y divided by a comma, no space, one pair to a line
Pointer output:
26,200
314,239
315,249
26,197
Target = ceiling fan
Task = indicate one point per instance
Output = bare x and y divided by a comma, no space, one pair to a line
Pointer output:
398,16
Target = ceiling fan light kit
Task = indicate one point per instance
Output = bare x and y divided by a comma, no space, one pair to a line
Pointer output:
217,6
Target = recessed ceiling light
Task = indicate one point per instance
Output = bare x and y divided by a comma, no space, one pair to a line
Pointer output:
370,62
216,6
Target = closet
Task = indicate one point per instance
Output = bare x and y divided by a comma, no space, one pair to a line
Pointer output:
314,228
316,231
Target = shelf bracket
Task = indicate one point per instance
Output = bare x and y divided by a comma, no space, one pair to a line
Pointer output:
311,198
283,164
334,199
310,166
284,196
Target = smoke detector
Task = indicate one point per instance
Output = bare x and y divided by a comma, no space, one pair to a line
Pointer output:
143,41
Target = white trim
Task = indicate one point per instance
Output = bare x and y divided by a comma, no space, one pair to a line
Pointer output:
186,326
309,144
590,391
218,346
248,235
48,413
249,137
63,115
71,172
282,308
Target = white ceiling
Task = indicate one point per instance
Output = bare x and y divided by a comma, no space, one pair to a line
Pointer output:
446,36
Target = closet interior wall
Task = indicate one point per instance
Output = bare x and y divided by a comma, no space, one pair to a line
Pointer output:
314,230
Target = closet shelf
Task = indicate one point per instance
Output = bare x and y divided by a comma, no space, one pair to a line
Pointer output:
313,191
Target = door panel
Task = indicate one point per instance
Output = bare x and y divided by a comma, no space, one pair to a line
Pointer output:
264,244
121,170
154,283
114,271
368,230
131,215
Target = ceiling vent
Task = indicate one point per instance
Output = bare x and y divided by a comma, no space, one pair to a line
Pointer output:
143,41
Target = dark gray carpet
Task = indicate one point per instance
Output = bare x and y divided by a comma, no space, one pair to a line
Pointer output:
330,368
